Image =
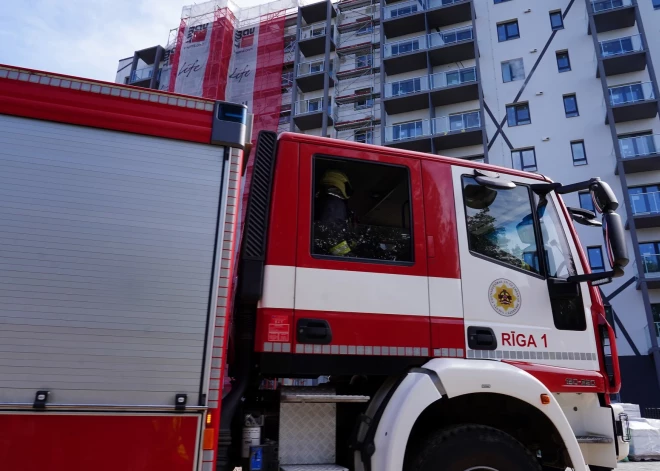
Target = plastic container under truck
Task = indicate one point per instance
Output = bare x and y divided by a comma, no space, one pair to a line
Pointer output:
118,208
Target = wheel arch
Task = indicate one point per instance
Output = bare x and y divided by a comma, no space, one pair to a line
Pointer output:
422,395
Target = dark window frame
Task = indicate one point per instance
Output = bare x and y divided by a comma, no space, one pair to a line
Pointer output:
523,167
559,56
596,269
656,4
571,114
496,2
506,64
505,29
411,219
581,161
517,108
553,15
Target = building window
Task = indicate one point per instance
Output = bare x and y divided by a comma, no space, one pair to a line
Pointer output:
502,1
524,159
579,154
655,307
403,11
384,235
513,70
517,115
364,103
316,67
365,137
556,21
404,47
507,31
571,106
563,61
407,130
656,4
596,259
637,144
363,60
585,201
650,252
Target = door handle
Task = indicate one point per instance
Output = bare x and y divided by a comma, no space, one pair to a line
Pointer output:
481,338
313,331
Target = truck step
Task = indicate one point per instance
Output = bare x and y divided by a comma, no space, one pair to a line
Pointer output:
312,467
320,398
593,439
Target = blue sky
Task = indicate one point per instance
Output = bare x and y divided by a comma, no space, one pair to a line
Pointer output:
84,37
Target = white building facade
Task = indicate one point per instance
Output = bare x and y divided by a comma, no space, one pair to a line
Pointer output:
563,87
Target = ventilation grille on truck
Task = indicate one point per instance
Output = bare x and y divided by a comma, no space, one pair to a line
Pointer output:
256,219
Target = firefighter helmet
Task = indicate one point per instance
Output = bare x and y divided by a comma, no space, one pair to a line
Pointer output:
338,180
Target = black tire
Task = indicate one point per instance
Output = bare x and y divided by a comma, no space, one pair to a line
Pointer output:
468,447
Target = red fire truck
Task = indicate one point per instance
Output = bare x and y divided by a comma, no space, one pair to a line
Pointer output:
385,310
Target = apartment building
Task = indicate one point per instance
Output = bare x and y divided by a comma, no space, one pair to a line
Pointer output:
563,87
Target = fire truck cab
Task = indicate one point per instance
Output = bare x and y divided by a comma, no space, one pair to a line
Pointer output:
449,303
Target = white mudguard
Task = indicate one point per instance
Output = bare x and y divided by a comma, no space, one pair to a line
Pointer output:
458,377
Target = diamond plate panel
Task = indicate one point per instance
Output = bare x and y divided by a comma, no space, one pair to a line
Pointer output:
307,433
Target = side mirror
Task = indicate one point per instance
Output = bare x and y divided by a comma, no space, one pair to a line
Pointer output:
584,217
603,197
615,241
617,252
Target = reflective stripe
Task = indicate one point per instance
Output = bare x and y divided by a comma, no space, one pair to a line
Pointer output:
368,350
531,355
341,248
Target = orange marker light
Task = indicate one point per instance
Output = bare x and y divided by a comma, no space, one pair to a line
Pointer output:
208,442
545,399
209,417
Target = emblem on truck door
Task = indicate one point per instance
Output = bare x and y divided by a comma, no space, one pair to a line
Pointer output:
504,297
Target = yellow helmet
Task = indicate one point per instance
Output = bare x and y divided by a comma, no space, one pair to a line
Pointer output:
339,180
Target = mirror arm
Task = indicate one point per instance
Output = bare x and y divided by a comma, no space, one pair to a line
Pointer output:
544,188
603,277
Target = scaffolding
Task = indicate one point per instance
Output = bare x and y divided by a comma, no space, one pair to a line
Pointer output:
357,89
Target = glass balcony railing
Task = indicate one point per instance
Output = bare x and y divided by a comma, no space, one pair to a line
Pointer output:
656,328
651,265
615,47
450,36
645,203
633,93
607,5
640,146
411,130
399,9
404,46
456,122
311,68
453,77
314,105
144,73
406,87
431,4
312,31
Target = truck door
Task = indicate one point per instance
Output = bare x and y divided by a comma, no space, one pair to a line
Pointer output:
361,284
515,258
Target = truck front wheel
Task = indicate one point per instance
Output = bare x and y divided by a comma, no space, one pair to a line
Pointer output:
472,448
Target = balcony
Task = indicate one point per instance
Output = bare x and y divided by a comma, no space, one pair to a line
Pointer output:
317,12
446,88
404,18
312,39
641,153
451,45
631,102
458,130
651,270
445,47
448,12
405,55
308,114
414,135
656,332
143,75
446,132
646,209
406,95
454,86
622,55
311,75
613,14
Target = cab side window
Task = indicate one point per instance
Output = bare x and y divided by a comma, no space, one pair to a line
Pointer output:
361,211
500,225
